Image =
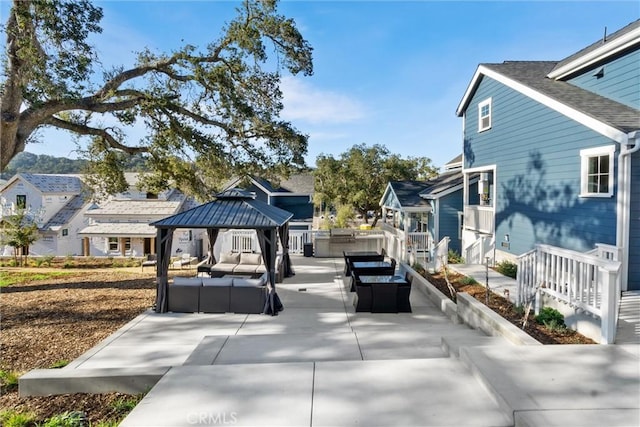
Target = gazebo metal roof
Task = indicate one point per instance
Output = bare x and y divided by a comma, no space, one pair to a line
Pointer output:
231,209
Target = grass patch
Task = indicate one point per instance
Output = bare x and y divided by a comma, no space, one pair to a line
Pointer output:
59,364
11,418
8,380
8,278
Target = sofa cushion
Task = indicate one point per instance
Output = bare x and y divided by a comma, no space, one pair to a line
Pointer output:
217,281
247,283
187,281
252,259
229,258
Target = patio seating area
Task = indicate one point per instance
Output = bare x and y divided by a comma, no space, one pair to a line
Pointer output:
319,363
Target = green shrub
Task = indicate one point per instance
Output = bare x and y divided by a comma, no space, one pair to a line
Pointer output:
454,257
67,264
418,268
8,379
507,268
466,280
551,318
47,260
67,419
38,262
13,263
125,405
11,418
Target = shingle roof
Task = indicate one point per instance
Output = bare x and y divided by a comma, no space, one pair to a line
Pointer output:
137,207
442,183
231,209
598,44
533,74
53,183
117,229
408,193
64,215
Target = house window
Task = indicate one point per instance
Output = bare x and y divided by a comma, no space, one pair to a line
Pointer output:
484,115
113,244
127,243
596,172
460,224
65,232
21,201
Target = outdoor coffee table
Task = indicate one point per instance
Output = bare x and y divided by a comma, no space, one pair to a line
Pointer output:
369,268
382,294
356,256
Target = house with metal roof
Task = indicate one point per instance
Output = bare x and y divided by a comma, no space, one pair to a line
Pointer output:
55,202
420,214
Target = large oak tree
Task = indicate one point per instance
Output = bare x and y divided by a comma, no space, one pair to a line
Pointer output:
209,112
360,175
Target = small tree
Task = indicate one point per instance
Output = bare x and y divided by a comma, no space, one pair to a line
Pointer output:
19,231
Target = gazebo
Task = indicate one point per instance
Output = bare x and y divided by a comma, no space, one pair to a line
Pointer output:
232,209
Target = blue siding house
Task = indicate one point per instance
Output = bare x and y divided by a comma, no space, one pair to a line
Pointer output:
552,153
422,213
293,194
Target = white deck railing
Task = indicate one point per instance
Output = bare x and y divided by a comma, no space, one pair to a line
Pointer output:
479,218
479,250
583,281
297,239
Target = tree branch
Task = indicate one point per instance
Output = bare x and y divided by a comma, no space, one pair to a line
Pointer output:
102,133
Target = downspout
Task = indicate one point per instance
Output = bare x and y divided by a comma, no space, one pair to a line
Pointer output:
624,203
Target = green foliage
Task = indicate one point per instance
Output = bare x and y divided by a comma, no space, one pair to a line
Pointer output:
507,268
11,418
419,268
67,419
18,231
13,277
551,318
343,216
59,364
8,379
359,177
51,66
466,280
454,257
47,259
125,405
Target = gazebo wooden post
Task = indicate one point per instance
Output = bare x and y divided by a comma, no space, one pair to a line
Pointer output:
163,247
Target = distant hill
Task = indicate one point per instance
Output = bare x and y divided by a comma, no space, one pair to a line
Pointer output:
34,163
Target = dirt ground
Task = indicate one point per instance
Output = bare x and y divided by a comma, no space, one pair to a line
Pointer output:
507,310
51,322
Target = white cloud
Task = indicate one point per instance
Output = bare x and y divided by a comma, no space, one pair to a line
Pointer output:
302,101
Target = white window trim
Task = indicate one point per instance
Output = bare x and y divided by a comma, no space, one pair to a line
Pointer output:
117,248
484,103
608,150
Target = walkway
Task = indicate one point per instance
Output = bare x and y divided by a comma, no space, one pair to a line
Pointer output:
321,364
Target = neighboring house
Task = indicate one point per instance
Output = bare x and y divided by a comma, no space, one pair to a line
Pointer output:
422,213
294,194
120,225
551,154
55,202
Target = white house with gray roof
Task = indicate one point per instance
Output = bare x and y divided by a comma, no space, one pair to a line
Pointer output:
120,225
55,202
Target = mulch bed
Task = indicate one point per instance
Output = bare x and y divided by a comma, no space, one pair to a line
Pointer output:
56,320
507,310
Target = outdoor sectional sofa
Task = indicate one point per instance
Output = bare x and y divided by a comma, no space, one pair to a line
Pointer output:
218,294
240,264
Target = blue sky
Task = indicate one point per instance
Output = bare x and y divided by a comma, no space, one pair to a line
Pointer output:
386,72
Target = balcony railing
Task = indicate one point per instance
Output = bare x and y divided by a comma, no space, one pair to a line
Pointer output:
479,218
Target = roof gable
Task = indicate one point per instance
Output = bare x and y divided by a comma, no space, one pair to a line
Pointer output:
407,193
49,183
605,116
604,48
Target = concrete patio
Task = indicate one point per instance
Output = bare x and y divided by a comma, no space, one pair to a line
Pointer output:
319,363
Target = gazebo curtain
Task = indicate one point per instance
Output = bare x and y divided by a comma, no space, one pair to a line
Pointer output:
212,233
164,241
287,269
268,244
